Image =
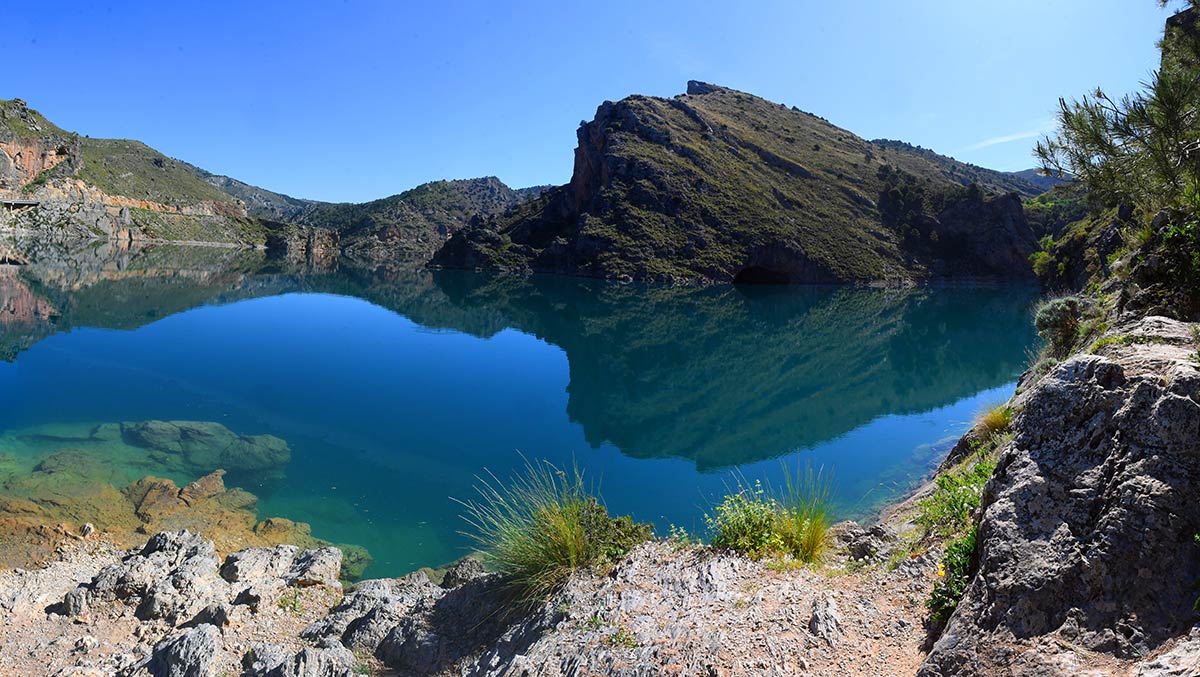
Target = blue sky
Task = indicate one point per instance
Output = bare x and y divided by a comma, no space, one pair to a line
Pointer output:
358,99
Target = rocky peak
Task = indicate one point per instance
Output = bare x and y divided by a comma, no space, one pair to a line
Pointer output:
696,88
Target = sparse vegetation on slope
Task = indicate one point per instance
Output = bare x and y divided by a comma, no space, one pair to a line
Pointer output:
25,122
133,169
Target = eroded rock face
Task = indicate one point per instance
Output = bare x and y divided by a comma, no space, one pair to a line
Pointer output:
371,610
721,186
1088,525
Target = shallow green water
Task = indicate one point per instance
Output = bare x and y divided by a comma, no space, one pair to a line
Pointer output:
395,391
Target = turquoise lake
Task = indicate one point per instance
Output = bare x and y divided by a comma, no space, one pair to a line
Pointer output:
395,390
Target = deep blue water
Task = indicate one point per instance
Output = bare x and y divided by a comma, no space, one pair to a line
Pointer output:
395,392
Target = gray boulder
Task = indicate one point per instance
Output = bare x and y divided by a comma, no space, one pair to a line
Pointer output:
369,612
316,567
330,659
463,571
172,576
255,564
189,654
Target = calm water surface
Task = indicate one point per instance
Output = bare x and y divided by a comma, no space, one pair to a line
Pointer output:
396,390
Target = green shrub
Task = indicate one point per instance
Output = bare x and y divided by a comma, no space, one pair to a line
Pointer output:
745,522
792,522
1043,263
954,574
957,493
1057,321
1181,246
542,525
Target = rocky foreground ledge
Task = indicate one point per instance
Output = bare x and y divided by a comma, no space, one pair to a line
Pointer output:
174,608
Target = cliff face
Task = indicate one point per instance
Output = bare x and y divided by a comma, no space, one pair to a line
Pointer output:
720,186
31,145
1087,532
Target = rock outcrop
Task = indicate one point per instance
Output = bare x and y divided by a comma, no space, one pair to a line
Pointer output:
721,186
177,577
1087,538
173,608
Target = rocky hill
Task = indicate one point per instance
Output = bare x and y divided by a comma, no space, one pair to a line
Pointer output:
125,190
415,223
116,189
718,186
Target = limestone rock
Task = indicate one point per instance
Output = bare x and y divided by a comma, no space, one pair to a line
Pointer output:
330,659
1183,660
255,564
825,622
316,567
371,610
172,577
463,571
1088,523
189,654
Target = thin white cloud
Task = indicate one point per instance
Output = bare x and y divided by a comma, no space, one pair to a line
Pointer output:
1008,138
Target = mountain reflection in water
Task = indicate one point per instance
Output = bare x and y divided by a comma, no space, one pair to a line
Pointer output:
654,388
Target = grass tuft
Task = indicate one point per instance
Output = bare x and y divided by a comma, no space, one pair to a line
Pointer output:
996,420
804,517
542,525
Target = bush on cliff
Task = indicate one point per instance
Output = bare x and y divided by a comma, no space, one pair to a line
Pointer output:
1057,321
542,525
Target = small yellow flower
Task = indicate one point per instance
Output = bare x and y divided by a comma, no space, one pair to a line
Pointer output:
941,570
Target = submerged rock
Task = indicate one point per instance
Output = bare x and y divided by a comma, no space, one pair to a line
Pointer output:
206,446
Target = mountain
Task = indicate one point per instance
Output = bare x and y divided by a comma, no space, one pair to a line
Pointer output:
718,186
125,190
1044,182
110,188
259,202
1027,183
415,223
